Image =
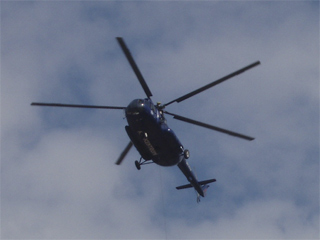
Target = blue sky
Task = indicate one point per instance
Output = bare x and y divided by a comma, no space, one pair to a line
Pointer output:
58,177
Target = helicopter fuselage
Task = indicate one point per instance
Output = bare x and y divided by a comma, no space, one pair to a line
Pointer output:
150,134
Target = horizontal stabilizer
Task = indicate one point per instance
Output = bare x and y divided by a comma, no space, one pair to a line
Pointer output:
200,183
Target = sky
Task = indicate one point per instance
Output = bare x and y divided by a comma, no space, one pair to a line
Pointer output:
58,174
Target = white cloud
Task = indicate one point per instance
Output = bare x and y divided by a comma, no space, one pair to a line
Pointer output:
255,220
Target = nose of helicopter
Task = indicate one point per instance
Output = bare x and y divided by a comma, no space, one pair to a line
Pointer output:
135,107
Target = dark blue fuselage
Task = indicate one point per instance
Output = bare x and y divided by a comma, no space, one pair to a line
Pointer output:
154,140
150,134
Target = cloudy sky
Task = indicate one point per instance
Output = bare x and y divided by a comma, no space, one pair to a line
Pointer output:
58,177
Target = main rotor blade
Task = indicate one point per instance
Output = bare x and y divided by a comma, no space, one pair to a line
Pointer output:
73,105
124,153
134,66
188,120
184,97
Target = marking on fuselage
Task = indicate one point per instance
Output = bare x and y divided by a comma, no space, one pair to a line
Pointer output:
150,147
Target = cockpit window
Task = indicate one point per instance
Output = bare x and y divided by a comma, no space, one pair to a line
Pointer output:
162,119
153,108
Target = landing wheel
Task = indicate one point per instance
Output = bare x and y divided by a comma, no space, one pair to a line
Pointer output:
186,154
138,166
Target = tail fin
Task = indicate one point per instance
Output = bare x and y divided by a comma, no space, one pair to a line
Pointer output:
204,189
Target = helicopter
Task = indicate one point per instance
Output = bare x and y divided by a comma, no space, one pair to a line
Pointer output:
149,132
